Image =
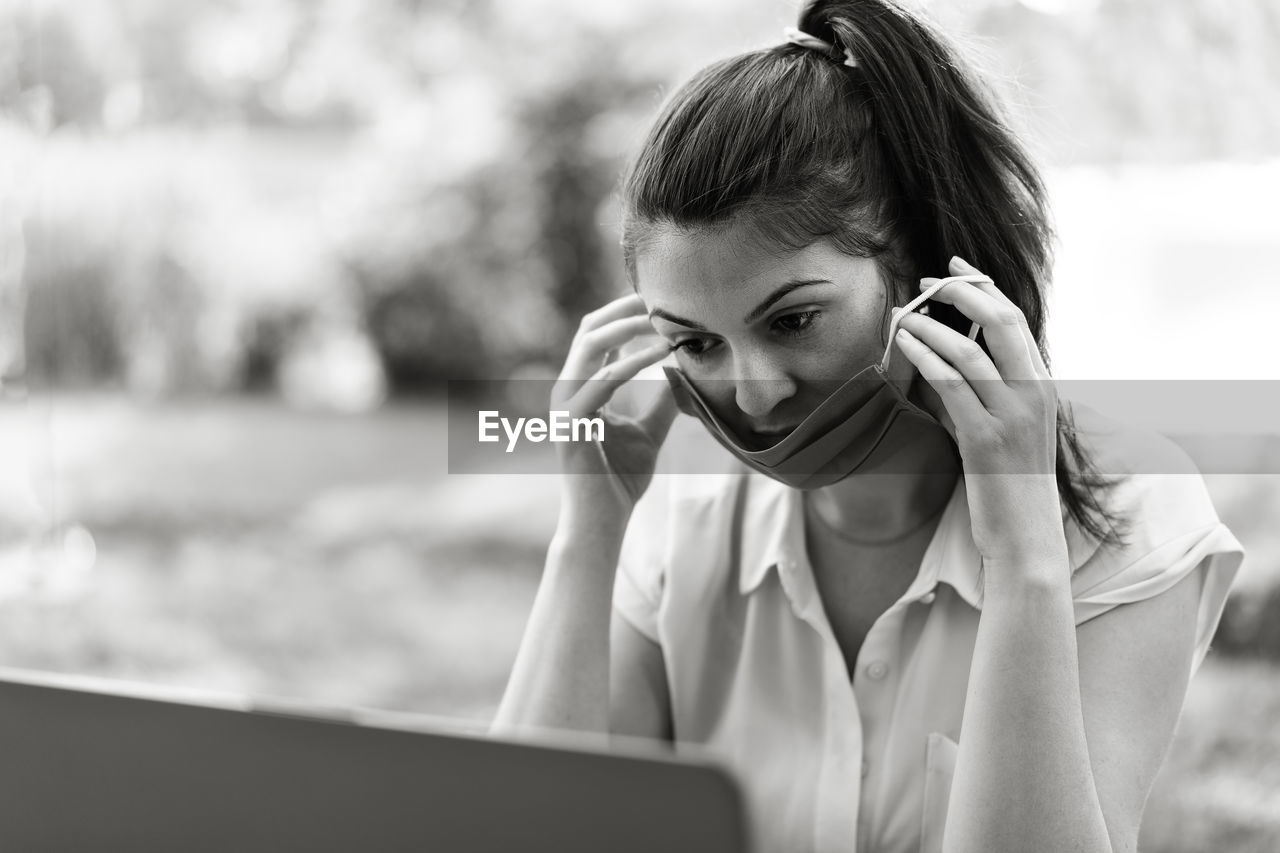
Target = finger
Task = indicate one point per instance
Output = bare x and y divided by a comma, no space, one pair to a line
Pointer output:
966,410
961,267
1002,323
1029,338
964,355
933,404
624,306
590,348
597,390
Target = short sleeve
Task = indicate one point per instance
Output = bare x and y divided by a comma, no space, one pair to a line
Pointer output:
637,590
1173,529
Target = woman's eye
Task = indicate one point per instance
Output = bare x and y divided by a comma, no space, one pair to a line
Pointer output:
795,324
695,348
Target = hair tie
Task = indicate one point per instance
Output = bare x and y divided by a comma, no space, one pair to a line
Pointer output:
803,39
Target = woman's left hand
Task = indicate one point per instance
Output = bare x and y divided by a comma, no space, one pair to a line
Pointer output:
1002,412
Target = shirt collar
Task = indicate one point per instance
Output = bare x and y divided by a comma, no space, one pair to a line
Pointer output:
772,519
952,557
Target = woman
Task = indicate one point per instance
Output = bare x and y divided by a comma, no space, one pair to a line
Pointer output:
945,610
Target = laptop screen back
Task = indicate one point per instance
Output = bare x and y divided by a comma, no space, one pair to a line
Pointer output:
98,770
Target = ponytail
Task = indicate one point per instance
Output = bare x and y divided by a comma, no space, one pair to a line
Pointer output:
902,158
964,185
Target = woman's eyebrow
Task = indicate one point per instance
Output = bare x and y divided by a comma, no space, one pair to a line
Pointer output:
679,321
778,294
755,314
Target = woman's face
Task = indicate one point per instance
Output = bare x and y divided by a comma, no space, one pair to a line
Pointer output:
764,335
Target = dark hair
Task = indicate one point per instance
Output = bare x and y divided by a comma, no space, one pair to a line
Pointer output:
902,158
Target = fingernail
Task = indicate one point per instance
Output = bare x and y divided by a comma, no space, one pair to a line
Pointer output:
961,262
924,310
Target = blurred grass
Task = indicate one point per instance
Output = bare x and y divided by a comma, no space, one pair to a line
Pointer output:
246,546
243,545
1219,789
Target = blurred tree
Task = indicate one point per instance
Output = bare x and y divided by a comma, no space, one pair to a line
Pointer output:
1141,80
67,342
572,174
475,219
47,58
484,241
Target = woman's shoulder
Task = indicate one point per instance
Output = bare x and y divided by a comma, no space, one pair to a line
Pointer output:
1145,477
1170,526
1121,448
1153,488
676,500
677,508
705,523
677,545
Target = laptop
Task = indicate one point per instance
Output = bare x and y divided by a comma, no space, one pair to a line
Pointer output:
89,764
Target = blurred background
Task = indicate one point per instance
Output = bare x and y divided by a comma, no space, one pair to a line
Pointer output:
245,243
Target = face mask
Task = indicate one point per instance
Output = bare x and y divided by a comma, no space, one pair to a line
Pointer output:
865,414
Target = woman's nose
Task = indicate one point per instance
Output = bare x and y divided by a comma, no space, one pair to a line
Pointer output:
760,385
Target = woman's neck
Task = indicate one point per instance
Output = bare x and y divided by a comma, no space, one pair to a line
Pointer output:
885,502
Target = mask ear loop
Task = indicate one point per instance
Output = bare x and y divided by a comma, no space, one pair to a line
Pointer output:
911,306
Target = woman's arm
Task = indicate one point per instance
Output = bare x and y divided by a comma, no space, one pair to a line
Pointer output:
1064,730
581,665
561,675
639,699
1135,664
1061,734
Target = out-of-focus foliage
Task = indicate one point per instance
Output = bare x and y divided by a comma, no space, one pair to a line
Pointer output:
1143,80
1123,79
185,231
459,228
147,263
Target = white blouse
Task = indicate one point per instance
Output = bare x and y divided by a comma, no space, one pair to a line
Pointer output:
714,570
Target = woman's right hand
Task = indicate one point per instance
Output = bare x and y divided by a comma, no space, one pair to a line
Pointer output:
610,475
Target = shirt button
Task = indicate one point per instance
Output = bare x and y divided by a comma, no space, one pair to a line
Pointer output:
928,597
877,670
866,768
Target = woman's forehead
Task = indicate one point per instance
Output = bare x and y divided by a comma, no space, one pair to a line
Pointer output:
733,263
